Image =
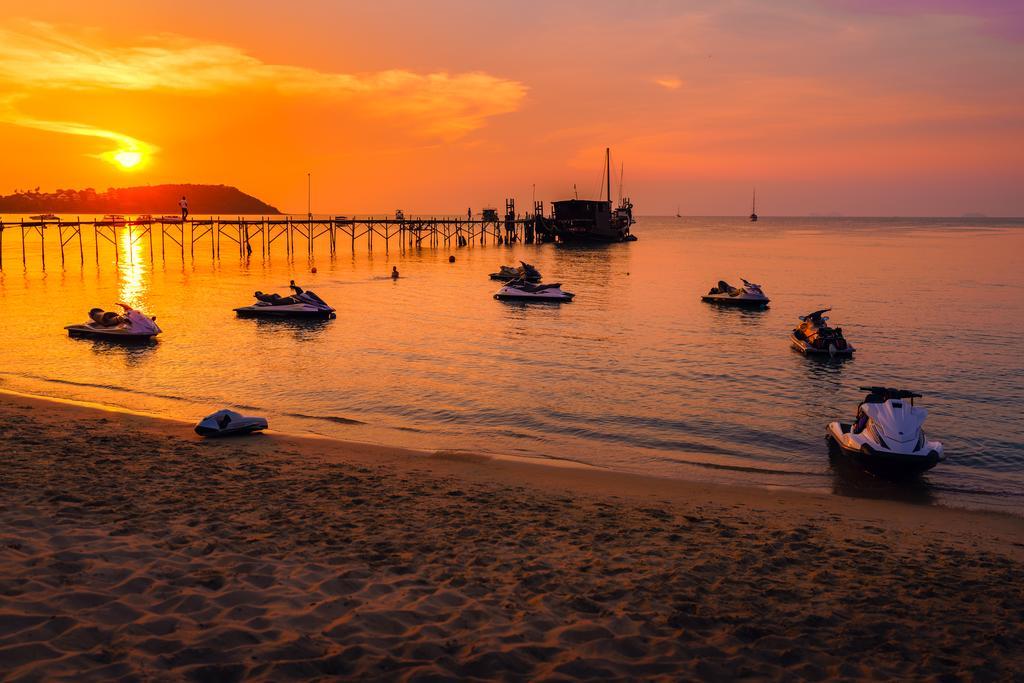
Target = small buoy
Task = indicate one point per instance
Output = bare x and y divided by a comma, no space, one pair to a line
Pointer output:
313,270
451,259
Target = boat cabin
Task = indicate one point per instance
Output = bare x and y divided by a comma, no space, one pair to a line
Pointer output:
588,219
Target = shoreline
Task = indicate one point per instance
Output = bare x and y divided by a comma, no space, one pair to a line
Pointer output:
131,547
897,494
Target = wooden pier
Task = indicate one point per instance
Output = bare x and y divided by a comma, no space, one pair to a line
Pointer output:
246,236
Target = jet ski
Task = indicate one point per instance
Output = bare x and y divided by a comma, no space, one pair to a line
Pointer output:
130,327
749,295
229,423
304,304
887,438
520,290
814,336
524,271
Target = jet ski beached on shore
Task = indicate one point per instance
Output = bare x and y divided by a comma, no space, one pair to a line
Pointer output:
814,336
887,437
519,290
749,295
229,423
302,304
130,327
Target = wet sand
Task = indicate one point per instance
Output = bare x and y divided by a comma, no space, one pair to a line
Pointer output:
129,548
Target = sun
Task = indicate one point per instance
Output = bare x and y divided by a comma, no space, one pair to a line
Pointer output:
127,159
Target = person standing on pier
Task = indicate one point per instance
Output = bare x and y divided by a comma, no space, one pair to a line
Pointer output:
184,207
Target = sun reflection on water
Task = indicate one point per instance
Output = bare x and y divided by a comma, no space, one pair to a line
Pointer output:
132,270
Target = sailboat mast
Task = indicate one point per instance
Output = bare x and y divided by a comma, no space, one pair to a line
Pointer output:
753,202
608,171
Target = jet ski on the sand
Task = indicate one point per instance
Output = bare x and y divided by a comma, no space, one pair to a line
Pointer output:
520,290
749,295
229,423
131,326
887,437
301,304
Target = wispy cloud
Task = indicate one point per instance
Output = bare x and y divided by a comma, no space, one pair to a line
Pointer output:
125,143
669,82
38,57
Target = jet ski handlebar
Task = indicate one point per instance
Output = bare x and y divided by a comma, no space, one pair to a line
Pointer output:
815,314
890,392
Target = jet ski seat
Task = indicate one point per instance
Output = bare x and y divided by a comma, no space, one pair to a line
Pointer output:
105,318
274,299
528,287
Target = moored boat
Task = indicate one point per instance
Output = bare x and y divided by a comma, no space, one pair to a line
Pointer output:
525,271
814,336
129,327
520,290
747,296
887,438
591,220
300,305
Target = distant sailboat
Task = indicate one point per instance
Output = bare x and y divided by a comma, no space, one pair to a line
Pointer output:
753,208
678,215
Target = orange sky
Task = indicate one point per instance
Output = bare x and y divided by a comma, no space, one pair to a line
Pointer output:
824,106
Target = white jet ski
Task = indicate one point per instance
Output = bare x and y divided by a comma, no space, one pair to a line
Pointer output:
520,290
302,304
888,437
229,423
813,336
748,296
130,327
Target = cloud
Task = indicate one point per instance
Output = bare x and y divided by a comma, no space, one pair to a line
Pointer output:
38,57
669,82
124,143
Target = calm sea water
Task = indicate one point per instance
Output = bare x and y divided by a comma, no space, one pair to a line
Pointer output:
636,375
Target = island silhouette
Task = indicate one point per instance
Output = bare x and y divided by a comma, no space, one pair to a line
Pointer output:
156,199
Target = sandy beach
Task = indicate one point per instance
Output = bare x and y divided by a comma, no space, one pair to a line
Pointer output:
130,549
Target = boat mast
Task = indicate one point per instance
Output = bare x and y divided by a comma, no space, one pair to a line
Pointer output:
608,171
753,202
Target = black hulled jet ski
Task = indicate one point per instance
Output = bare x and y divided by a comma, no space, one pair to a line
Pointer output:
128,327
887,437
749,295
814,336
229,423
520,290
525,272
301,304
